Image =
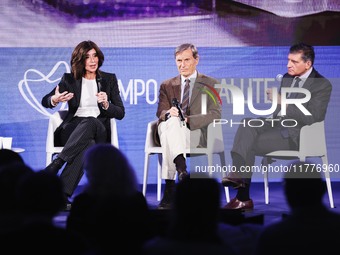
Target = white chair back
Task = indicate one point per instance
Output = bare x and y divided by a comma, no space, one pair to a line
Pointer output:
55,120
215,145
312,144
313,141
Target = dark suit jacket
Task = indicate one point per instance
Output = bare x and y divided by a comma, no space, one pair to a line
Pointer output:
109,84
320,89
171,88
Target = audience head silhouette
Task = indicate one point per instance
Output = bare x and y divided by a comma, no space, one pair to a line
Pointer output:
108,171
303,187
110,202
194,221
196,209
10,176
310,225
8,156
39,197
40,194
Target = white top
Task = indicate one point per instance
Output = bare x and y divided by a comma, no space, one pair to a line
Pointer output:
88,106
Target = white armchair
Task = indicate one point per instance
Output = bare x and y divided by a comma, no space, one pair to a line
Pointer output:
215,145
54,121
312,144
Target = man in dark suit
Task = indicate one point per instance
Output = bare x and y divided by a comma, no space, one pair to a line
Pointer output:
93,99
258,141
184,125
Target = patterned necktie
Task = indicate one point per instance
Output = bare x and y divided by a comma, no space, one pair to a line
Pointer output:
185,100
296,85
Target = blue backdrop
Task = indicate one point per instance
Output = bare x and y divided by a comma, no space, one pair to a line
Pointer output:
27,74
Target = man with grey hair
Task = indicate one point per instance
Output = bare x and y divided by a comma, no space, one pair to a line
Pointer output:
183,125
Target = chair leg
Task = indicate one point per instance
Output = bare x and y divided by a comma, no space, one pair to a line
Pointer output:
328,182
146,169
226,190
222,158
265,162
227,196
223,163
210,162
159,177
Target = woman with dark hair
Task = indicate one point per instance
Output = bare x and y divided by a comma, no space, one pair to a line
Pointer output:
93,98
110,203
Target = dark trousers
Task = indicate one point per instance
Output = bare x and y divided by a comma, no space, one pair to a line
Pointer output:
250,142
77,136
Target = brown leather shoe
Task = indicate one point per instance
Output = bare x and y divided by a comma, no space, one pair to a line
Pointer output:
234,182
242,205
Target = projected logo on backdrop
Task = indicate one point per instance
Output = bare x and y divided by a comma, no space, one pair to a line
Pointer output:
26,92
133,91
212,93
238,101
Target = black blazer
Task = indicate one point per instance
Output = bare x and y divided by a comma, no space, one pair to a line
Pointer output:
109,84
320,89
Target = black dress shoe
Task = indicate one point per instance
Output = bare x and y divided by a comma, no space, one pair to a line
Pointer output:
164,205
67,204
166,202
55,166
182,175
168,196
240,205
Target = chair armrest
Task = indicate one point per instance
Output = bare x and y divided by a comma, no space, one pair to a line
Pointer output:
114,133
215,142
149,142
54,121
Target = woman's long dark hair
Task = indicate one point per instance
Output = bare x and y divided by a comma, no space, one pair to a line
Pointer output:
79,56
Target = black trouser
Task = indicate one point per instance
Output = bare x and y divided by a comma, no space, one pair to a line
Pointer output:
250,142
77,136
